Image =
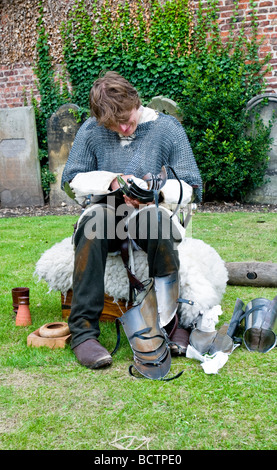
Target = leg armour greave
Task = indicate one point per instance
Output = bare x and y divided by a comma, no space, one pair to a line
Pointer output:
148,341
260,325
167,292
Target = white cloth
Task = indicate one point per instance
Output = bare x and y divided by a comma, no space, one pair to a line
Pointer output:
171,192
210,364
92,182
98,182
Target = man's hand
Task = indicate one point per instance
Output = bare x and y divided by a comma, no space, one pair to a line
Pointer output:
129,201
115,185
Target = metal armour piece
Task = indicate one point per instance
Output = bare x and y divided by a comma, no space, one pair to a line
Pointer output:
260,325
238,314
212,341
156,181
151,353
167,292
218,340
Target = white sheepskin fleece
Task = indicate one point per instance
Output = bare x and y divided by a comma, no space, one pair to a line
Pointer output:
203,277
55,266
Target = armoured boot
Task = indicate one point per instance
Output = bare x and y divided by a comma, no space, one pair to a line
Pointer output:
141,325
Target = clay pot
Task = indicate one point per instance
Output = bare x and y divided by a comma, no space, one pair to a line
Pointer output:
54,330
23,316
19,292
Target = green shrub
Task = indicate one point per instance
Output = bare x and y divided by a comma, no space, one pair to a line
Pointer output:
231,152
47,176
219,80
148,48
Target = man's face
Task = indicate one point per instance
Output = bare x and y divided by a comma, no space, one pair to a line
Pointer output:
127,128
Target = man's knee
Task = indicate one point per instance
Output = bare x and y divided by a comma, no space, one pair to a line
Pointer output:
153,223
98,222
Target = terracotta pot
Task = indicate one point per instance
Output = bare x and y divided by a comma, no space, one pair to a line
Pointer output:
19,292
23,316
54,330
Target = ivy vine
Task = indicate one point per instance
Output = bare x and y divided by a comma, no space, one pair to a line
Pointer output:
164,50
147,47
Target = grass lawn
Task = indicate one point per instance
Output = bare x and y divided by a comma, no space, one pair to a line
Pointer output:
48,401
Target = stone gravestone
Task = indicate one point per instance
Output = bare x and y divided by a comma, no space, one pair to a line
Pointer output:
267,194
20,181
61,131
165,105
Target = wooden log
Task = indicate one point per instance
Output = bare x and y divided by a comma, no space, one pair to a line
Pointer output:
252,274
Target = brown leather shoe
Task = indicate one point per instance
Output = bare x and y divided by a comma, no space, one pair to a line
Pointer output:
91,354
181,338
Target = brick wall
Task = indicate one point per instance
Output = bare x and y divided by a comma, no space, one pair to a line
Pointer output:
267,29
17,83
17,79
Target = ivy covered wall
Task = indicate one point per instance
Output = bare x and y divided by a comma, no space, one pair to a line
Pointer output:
174,48
18,37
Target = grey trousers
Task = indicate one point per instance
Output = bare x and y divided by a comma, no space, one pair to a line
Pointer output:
100,232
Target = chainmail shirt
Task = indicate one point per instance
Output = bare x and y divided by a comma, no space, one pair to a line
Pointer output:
154,144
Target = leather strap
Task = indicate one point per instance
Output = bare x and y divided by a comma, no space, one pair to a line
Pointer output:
181,190
162,379
134,282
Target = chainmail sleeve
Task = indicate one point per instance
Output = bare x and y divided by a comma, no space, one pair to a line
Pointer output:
154,144
182,160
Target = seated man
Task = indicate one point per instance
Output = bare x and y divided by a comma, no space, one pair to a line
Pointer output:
122,138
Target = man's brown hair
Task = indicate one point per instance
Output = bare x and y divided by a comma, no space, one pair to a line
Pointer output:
112,98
